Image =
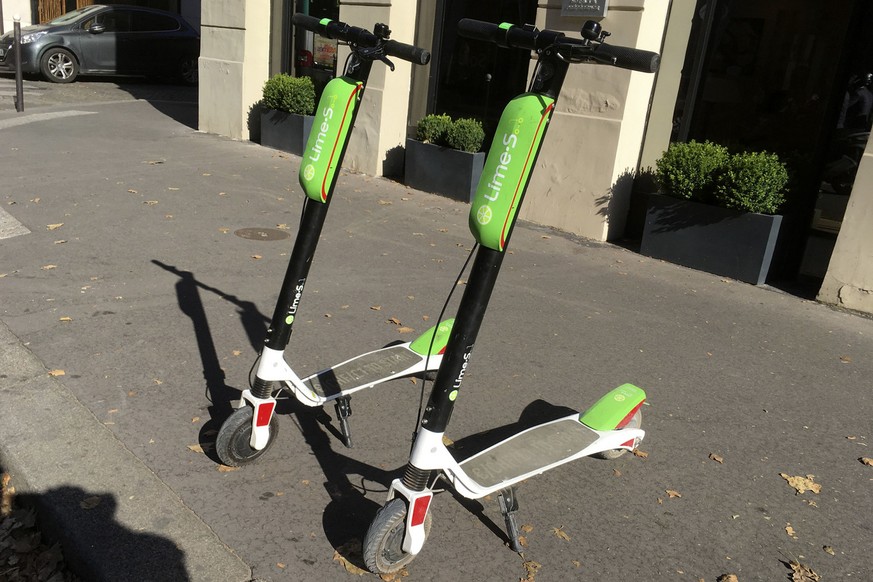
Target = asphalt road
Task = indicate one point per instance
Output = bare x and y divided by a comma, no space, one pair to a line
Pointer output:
155,309
38,93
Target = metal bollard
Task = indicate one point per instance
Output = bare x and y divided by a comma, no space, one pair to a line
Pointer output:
19,86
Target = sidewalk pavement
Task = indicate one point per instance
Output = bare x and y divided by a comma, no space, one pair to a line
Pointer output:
132,304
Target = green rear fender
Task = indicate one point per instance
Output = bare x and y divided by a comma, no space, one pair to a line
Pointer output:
614,408
440,334
328,137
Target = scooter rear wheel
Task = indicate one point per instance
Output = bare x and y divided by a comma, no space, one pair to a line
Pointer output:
383,544
636,421
233,445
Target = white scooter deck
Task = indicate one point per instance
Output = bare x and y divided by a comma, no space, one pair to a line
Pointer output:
530,452
367,370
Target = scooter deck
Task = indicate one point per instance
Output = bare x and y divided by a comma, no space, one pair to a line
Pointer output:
367,370
529,451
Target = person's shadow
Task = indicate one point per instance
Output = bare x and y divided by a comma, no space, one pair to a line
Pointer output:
95,545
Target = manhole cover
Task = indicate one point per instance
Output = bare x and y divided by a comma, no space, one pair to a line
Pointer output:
262,234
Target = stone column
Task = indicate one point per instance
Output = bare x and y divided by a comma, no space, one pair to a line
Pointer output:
234,64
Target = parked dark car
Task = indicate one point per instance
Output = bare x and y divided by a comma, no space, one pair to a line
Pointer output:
106,40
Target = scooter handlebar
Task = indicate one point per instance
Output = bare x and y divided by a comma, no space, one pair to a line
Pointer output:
511,36
360,37
407,52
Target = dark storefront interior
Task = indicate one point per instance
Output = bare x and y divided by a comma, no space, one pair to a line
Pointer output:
790,77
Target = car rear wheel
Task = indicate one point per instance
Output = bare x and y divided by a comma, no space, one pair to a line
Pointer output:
189,71
59,66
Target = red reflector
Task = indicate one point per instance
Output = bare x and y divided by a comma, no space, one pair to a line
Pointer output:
629,416
265,413
419,510
629,444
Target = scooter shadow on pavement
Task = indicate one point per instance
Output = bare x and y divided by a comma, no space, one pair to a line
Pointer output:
218,393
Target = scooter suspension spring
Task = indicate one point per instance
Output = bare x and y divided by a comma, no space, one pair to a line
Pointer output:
262,388
415,478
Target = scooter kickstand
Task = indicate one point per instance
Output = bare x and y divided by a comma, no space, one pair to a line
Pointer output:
343,412
508,499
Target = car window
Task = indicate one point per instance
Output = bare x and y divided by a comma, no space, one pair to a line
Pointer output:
148,22
115,21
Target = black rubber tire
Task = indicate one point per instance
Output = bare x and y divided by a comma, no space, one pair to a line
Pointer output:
58,65
383,544
233,443
189,73
636,421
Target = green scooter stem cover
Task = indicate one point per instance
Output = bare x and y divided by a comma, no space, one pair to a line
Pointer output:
439,333
614,407
508,167
327,139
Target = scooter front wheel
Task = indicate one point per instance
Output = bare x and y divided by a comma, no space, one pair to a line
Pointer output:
233,445
383,544
636,421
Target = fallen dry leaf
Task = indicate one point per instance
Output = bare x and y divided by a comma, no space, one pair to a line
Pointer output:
226,469
405,330
195,448
257,257
281,565
867,461
846,359
394,320
150,202
641,454
576,563
352,548
716,458
195,419
54,226
728,578
527,528
616,473
65,318
90,502
57,373
7,492
531,568
522,541
48,267
802,484
560,533
376,307
385,202
672,493
801,573
790,531
828,550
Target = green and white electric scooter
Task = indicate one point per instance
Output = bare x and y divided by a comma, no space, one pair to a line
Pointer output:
607,429
250,430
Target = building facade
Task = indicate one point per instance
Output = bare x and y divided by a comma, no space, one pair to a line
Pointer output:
783,75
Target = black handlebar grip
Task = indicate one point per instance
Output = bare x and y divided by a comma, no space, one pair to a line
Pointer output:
479,30
407,52
627,58
310,23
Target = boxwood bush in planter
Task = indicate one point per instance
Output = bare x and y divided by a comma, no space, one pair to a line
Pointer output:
283,92
716,211
286,112
445,157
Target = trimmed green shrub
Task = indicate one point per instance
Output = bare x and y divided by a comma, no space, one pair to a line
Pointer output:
752,181
688,170
290,94
433,129
466,135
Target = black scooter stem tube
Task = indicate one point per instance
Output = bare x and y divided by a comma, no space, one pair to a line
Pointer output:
471,311
279,333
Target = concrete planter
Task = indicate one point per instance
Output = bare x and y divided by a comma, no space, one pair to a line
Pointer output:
717,240
440,170
285,131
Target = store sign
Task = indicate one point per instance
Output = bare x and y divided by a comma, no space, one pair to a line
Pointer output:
584,8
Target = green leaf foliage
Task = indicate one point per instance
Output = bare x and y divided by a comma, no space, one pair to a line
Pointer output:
688,169
290,94
433,129
466,135
752,181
